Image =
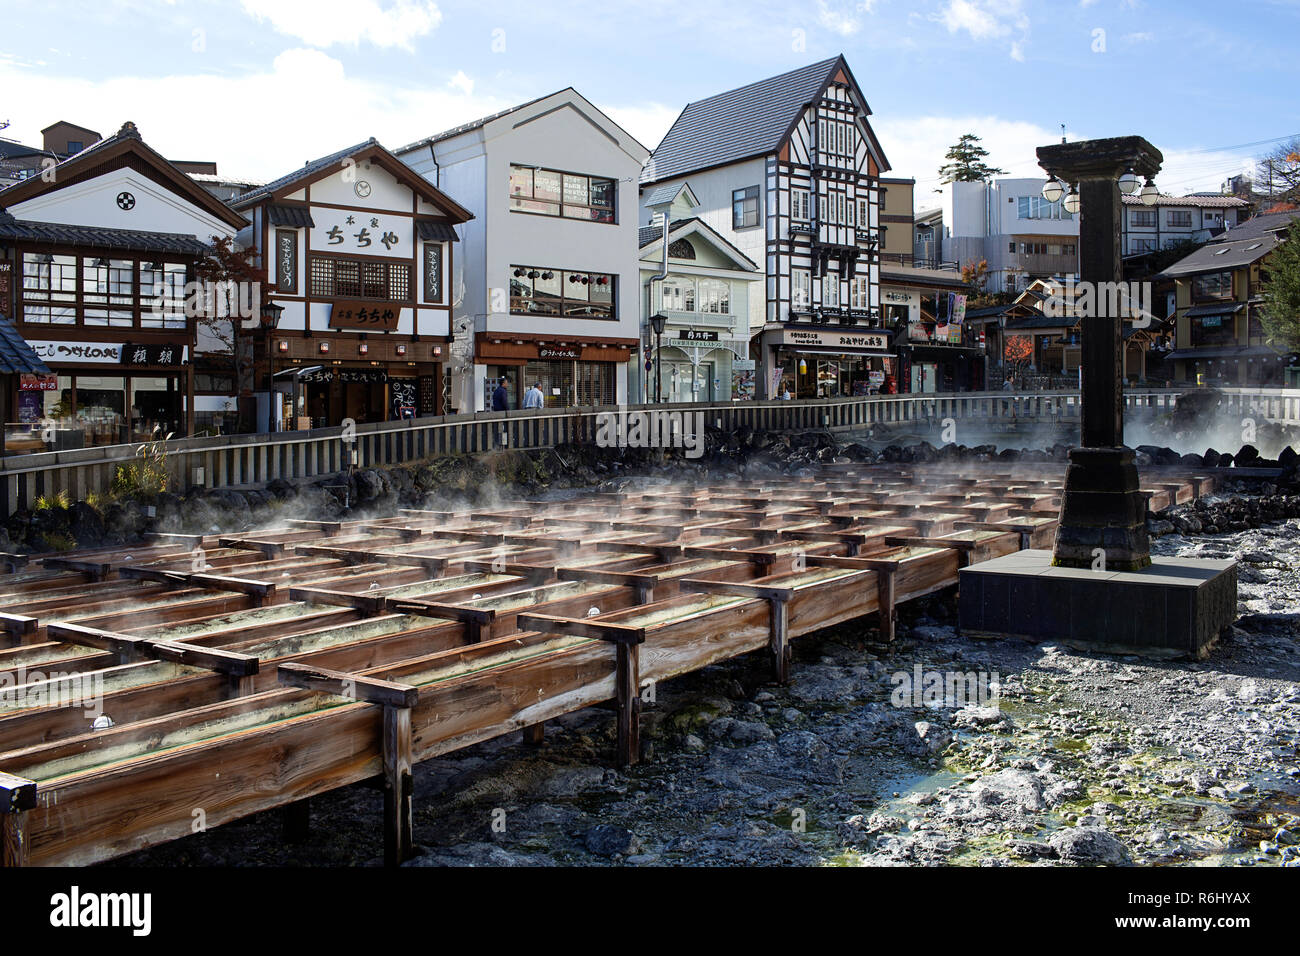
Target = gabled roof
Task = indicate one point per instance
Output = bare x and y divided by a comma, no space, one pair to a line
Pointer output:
492,117
369,150
667,195
125,147
1241,246
751,121
650,236
16,356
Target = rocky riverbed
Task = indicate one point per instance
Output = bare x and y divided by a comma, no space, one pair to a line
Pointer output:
1081,759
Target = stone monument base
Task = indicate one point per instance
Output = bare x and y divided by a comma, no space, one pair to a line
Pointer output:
1177,607
1103,514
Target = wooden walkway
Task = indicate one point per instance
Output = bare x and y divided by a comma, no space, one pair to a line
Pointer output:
148,692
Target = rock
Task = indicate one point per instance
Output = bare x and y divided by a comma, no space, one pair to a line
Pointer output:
1015,787
1090,846
933,738
605,839
1246,457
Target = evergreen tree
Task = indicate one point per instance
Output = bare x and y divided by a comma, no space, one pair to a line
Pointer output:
1281,313
966,162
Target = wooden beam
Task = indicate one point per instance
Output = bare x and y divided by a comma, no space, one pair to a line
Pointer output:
17,626
475,619
597,630
371,690
367,603
95,570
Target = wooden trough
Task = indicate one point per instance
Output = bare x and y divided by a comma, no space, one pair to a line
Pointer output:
146,693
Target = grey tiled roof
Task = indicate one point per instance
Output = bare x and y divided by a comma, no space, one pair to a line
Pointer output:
738,124
295,216
16,356
442,231
1205,202
1240,246
302,172
99,237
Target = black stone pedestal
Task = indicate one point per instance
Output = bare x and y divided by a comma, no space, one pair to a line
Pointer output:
1177,607
1103,514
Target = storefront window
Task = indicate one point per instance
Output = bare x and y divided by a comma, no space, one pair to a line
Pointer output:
679,294
540,291
556,379
153,405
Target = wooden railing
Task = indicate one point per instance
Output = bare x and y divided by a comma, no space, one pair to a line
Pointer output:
232,460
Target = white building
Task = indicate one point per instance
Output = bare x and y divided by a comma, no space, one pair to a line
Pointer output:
548,288
787,170
1009,224
705,298
357,249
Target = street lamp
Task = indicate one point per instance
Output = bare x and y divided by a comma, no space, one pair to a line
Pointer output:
657,323
1053,190
1072,201
1150,194
270,319
1129,183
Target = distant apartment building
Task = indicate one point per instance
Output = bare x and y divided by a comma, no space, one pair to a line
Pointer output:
1176,219
1009,224
897,235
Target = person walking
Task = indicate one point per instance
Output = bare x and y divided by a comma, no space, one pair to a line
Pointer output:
533,398
500,398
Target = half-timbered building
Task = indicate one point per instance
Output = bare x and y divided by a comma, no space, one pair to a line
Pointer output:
788,171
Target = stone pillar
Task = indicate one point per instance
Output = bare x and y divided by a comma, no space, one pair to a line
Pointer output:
1103,515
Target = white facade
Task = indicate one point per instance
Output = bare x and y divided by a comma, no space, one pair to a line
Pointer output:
1173,221
561,133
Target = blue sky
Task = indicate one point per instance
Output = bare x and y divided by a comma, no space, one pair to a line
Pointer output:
260,86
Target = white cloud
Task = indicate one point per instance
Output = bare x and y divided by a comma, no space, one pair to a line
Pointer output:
324,23
987,20
462,82
262,139
842,18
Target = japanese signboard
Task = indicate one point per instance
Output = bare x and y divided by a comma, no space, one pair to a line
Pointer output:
365,316
359,232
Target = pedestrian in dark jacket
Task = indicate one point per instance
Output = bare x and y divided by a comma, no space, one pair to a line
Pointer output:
500,398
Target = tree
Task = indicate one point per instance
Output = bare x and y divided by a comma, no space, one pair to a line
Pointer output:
966,162
976,276
1018,352
1277,175
1281,313
232,287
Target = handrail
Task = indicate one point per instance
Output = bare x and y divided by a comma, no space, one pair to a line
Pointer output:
243,459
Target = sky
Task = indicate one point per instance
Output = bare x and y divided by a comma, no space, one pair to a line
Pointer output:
262,86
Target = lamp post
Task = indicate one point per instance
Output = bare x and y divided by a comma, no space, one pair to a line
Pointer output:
270,319
657,323
1102,509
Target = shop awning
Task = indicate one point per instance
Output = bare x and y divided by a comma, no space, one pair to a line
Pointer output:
436,231
1221,308
1226,352
16,356
295,217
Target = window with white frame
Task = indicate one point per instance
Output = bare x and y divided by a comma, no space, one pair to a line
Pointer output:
1036,207
859,293
831,290
864,215
714,297
800,205
679,294
800,288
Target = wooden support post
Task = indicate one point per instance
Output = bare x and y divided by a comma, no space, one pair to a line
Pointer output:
886,592
399,785
627,682
535,733
17,796
780,613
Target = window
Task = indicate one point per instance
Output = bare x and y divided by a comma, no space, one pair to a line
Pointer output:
1215,285
75,146
580,295
163,283
859,294
1180,219
679,294
715,297
744,208
548,192
864,215
49,278
1143,218
1140,246
800,288
800,206
108,280
681,249
1036,207
831,290
333,277
1033,248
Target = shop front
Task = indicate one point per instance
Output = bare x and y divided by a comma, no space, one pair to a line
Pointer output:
571,372
703,365
319,382
820,363
106,393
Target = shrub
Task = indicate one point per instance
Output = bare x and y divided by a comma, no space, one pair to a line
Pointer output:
145,478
